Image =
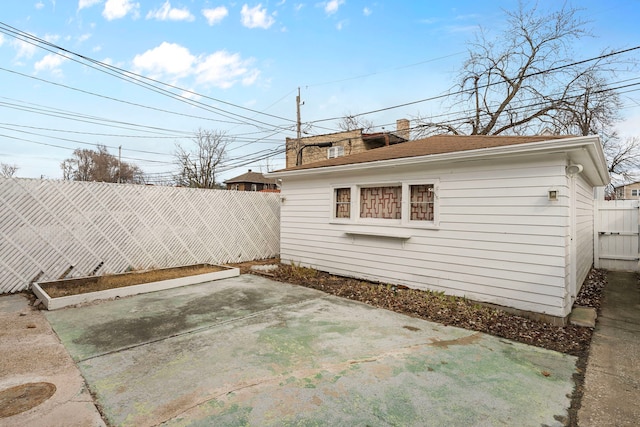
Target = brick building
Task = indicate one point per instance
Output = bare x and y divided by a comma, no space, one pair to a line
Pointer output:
251,181
342,144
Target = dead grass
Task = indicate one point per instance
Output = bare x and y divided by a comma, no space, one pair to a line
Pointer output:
100,283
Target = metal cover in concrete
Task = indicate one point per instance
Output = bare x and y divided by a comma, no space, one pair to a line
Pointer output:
250,351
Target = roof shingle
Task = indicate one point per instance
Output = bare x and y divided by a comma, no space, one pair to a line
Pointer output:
439,144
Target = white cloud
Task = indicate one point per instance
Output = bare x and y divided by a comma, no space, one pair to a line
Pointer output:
215,15
189,94
23,49
220,69
96,48
39,5
82,4
250,77
223,69
429,21
166,59
340,25
461,28
366,11
168,13
256,17
116,9
52,37
332,6
50,62
84,37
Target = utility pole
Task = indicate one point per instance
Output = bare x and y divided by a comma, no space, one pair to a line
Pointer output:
475,86
119,162
299,129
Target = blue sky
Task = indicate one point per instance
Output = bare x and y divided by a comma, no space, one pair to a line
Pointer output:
244,62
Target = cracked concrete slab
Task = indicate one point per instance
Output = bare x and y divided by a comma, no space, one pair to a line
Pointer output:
251,351
612,380
31,353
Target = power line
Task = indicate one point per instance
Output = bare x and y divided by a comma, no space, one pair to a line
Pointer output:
463,91
578,94
84,118
135,78
346,79
135,104
68,148
154,137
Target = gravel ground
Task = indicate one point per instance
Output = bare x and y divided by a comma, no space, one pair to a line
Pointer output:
460,312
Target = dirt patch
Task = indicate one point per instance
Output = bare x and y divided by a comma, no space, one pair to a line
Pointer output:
245,267
83,285
21,398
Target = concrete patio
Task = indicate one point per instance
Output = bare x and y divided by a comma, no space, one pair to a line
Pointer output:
250,351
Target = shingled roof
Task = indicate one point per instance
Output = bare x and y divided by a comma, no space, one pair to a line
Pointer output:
252,177
439,144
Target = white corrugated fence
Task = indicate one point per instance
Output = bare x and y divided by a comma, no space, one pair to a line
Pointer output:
51,229
617,235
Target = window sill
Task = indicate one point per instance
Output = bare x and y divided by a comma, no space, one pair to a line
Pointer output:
413,225
389,235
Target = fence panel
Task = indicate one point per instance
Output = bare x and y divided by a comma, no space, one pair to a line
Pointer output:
50,229
617,235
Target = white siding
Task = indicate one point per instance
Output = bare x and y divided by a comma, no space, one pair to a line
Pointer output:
499,238
584,230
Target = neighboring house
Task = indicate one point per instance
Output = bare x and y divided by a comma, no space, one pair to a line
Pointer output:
251,181
501,220
628,191
306,150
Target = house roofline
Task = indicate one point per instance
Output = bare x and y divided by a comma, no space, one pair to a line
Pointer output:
578,145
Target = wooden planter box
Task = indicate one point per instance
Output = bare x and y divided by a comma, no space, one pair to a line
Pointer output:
66,301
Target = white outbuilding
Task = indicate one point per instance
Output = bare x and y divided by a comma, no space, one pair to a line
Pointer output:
506,220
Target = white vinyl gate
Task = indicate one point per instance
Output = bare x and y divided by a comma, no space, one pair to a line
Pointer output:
616,240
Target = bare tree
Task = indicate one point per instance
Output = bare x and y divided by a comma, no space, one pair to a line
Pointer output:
198,165
525,79
593,110
99,165
7,170
623,157
353,122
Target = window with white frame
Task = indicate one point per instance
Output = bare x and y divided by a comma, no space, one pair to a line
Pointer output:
337,151
634,193
381,202
411,204
343,203
422,202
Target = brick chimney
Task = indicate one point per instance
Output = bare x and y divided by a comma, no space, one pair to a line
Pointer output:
403,129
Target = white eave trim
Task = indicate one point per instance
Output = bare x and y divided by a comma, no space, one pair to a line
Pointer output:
591,144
